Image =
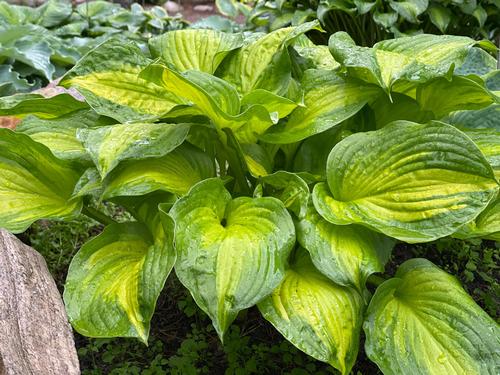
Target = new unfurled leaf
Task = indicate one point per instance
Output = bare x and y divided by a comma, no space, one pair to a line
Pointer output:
423,322
33,183
175,172
231,252
410,181
115,279
201,50
329,99
346,254
108,78
319,317
109,145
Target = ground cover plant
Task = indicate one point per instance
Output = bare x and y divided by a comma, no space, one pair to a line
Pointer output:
40,44
371,21
269,171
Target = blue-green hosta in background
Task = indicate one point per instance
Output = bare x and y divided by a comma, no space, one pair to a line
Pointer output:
265,170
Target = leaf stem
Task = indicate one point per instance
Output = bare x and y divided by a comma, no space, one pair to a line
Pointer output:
97,216
375,280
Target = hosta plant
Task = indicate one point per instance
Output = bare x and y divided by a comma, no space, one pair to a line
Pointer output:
371,21
268,171
40,44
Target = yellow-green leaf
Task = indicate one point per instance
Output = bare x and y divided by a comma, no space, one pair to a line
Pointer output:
423,322
319,317
409,181
231,252
108,78
194,49
115,279
33,183
175,172
329,100
109,145
346,254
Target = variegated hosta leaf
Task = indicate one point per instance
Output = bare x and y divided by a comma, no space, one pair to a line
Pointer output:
109,145
108,78
214,98
195,49
33,183
409,181
231,252
415,58
175,172
486,225
59,134
329,100
276,105
488,141
264,63
442,96
257,160
423,322
89,184
486,118
115,279
346,254
319,317
289,188
20,105
409,9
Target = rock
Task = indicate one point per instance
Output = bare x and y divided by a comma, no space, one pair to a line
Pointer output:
172,7
203,8
35,336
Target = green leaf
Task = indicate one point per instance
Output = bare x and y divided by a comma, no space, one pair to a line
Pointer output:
486,118
486,225
329,100
440,16
409,181
398,107
488,141
54,12
21,105
274,104
201,50
412,59
89,184
289,188
409,9
318,57
258,161
317,316
11,82
423,322
33,183
115,279
346,254
109,145
231,252
263,63
214,98
108,78
442,96
175,172
34,54
313,152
